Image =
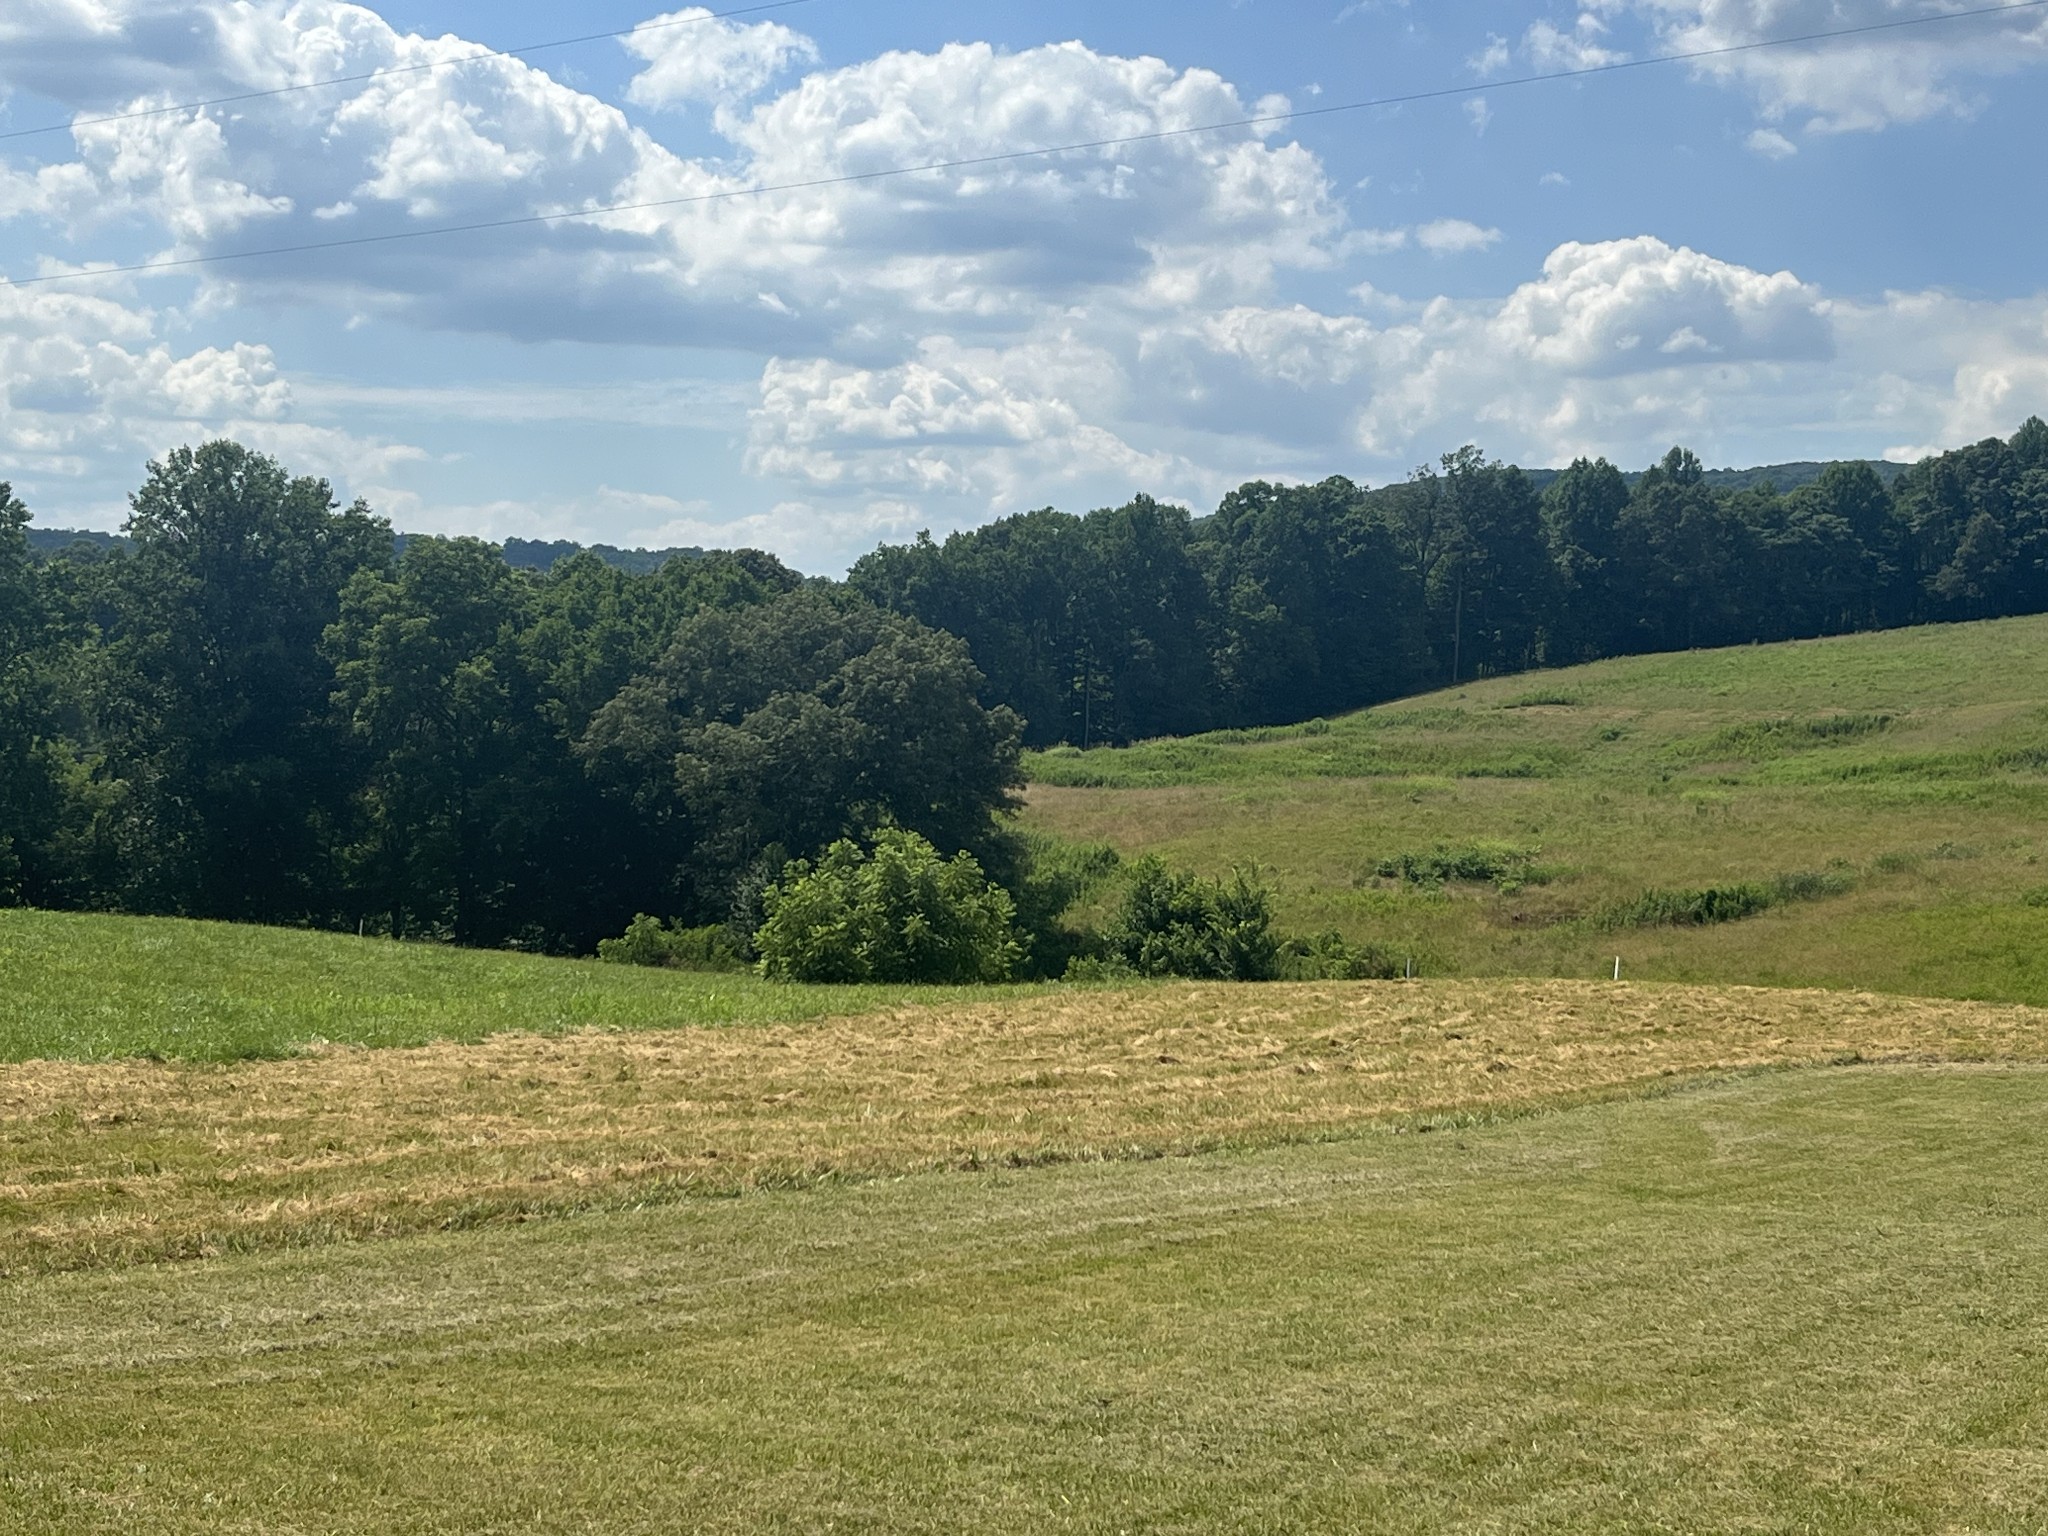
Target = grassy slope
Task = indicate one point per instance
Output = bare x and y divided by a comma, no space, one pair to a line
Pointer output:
1690,769
94,987
1809,1302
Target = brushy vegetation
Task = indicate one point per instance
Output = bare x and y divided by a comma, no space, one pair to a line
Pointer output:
1504,866
1811,1302
1907,762
1173,923
650,941
1722,903
896,912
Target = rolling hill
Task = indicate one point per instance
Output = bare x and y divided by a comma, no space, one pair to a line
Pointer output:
1896,784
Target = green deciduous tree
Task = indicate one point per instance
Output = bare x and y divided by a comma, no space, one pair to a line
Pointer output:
773,731
222,737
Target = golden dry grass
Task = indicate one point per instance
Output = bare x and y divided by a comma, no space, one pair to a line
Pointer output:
120,1162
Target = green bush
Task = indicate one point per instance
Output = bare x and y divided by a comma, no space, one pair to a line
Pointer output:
650,941
1173,923
899,914
1721,903
1505,865
1332,957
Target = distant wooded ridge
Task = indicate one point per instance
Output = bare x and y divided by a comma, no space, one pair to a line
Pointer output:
520,554
545,554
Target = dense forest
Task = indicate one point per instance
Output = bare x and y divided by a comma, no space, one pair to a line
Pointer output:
260,705
1296,601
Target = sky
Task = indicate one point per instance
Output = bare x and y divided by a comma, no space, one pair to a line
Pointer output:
1824,250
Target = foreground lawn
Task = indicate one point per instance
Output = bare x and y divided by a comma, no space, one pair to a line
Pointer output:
1800,1302
1911,766
129,1161
91,987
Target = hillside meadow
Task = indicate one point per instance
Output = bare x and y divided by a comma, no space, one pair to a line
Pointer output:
1908,771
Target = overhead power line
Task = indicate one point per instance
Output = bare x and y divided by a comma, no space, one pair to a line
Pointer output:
1006,157
479,57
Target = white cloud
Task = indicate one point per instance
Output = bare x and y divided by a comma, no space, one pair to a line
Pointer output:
1771,144
1849,84
1455,237
1478,113
931,347
693,56
88,390
1551,48
1491,59
1000,426
1553,179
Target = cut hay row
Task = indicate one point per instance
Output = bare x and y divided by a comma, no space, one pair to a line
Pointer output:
131,1161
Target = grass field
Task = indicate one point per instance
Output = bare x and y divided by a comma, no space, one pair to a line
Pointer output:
1911,765
1798,1302
128,1162
303,1233
87,987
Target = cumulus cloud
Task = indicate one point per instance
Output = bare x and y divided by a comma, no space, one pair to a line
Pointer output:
1455,237
932,347
1000,425
1553,48
89,389
1849,84
694,56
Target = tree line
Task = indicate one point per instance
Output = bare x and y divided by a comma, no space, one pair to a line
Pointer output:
261,706
1291,602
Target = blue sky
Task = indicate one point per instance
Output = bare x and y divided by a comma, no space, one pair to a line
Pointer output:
1806,252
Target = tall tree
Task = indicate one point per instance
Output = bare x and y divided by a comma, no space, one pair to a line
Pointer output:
1319,613
462,768
1582,512
225,742
29,783
769,733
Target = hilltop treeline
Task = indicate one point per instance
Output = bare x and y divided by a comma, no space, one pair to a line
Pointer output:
1291,602
258,705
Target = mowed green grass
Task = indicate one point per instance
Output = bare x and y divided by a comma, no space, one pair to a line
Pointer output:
1915,763
94,987
1797,1302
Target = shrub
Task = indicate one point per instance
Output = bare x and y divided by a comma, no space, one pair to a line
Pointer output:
1721,903
1502,864
1177,924
899,914
650,941
1331,957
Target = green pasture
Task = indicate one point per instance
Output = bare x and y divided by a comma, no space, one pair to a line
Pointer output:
1792,1302
1907,770
89,987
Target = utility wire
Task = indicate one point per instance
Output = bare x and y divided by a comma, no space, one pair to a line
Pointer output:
972,162
397,69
